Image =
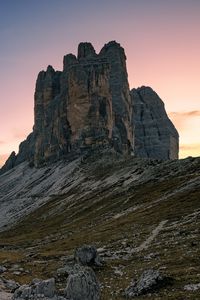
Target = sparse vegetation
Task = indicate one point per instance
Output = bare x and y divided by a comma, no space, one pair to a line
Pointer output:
41,241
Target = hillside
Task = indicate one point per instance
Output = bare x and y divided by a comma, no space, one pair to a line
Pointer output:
139,213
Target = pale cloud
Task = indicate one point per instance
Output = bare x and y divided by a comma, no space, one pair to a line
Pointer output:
189,150
181,119
193,113
187,124
190,147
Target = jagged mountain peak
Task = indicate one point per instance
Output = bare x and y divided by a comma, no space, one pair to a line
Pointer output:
89,106
85,50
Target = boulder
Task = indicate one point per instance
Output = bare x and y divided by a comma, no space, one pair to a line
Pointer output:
149,281
38,290
82,284
87,255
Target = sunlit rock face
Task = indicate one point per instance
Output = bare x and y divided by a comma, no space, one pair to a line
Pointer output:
89,106
89,109
154,134
86,106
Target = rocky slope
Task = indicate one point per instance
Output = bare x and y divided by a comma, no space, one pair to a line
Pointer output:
89,106
140,214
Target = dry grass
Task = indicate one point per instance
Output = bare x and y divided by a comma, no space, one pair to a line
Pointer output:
48,238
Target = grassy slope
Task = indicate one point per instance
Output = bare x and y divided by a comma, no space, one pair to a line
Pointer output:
41,241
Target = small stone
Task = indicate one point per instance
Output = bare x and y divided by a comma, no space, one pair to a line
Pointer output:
2,269
192,287
17,273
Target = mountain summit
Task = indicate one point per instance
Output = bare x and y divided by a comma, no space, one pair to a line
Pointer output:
89,106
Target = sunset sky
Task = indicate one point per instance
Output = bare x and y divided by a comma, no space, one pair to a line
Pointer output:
161,39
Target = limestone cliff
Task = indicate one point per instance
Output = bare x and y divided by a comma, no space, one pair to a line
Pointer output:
88,105
121,100
85,106
154,134
89,108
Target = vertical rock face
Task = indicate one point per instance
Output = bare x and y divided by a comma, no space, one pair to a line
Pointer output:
85,50
154,134
84,107
121,100
51,129
89,108
89,105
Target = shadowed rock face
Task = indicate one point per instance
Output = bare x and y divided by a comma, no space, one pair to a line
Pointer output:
51,129
154,134
10,163
121,100
89,106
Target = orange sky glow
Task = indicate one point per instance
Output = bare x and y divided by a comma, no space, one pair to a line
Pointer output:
161,41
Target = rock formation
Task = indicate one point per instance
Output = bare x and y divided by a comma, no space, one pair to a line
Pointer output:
87,256
38,290
89,106
154,134
10,163
82,284
149,281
